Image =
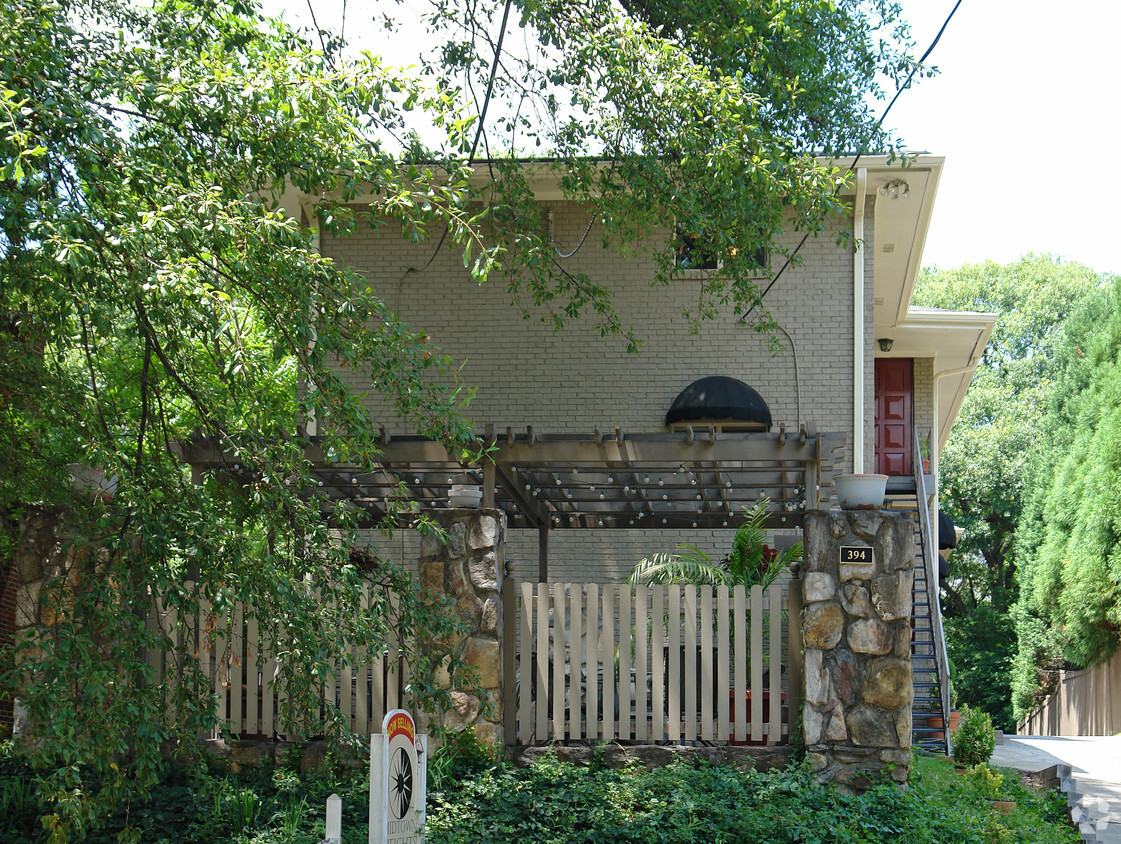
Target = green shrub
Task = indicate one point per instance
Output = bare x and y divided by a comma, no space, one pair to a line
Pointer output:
462,754
986,780
975,739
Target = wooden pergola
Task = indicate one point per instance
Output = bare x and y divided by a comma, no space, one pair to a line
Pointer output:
697,478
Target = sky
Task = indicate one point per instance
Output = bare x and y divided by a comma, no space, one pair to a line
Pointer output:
1025,110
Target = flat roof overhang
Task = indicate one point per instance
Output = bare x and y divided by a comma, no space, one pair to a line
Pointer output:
955,340
698,478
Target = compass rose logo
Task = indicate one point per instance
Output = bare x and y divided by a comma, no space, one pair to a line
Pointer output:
400,783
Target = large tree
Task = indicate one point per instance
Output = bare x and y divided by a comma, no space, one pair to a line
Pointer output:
1069,536
998,433
152,291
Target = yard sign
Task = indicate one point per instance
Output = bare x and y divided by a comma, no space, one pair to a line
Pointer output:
398,774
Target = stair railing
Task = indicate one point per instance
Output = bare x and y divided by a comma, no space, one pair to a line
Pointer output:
930,548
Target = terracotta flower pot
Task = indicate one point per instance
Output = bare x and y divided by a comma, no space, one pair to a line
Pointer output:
955,719
936,722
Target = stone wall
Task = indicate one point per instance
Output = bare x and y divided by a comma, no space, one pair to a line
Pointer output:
857,635
467,566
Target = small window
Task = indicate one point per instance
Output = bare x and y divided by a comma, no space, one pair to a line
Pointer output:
760,258
691,253
694,254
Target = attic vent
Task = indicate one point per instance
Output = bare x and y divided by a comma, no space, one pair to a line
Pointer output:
716,398
888,247
879,300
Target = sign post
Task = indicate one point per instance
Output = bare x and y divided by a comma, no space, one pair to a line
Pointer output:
398,781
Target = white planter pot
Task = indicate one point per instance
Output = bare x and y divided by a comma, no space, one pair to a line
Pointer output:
860,492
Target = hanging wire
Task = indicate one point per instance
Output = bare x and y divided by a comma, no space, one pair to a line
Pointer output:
907,84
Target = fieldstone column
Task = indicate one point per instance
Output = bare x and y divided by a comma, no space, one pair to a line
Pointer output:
857,635
467,565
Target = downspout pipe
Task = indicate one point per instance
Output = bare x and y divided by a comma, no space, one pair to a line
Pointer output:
935,452
858,321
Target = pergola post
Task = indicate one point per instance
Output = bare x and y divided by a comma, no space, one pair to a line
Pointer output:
543,554
488,472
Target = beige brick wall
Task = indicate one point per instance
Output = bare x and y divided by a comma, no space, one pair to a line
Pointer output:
526,374
924,395
572,380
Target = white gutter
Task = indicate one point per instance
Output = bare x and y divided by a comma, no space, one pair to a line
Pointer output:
858,321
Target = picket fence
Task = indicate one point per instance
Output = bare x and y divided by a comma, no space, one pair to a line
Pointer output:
243,666
649,664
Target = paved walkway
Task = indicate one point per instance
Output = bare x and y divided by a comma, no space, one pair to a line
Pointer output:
1087,768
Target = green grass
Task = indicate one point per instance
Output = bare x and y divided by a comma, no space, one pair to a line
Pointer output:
470,801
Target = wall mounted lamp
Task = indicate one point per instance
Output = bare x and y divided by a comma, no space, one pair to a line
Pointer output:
896,189
885,344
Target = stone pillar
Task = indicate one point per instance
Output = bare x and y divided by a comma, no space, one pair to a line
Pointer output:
857,637
467,567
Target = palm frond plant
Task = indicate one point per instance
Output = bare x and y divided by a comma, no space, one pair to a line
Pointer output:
750,561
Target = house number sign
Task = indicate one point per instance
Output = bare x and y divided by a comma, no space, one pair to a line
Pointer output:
856,555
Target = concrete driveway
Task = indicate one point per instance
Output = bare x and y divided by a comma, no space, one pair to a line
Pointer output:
1087,768
1095,758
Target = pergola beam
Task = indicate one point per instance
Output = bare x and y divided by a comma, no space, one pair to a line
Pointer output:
706,479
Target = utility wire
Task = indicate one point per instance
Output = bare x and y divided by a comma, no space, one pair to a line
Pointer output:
907,84
478,130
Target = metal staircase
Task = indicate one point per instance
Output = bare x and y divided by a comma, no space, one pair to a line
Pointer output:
930,667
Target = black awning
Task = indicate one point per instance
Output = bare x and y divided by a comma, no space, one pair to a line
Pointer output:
947,535
719,397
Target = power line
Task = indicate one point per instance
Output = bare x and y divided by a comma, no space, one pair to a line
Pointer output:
478,130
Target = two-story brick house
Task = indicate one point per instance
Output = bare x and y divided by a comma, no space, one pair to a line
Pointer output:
856,359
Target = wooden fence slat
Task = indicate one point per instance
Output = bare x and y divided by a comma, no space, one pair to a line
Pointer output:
706,619
269,725
774,723
346,691
252,674
689,618
723,661
378,677
576,660
793,652
392,674
607,641
756,662
673,645
739,615
215,641
592,699
237,664
624,651
328,676
509,652
525,667
364,671
641,661
542,661
657,664
560,663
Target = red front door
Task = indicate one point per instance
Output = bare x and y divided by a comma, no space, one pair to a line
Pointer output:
895,379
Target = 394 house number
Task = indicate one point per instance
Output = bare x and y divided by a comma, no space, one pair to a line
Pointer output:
856,555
